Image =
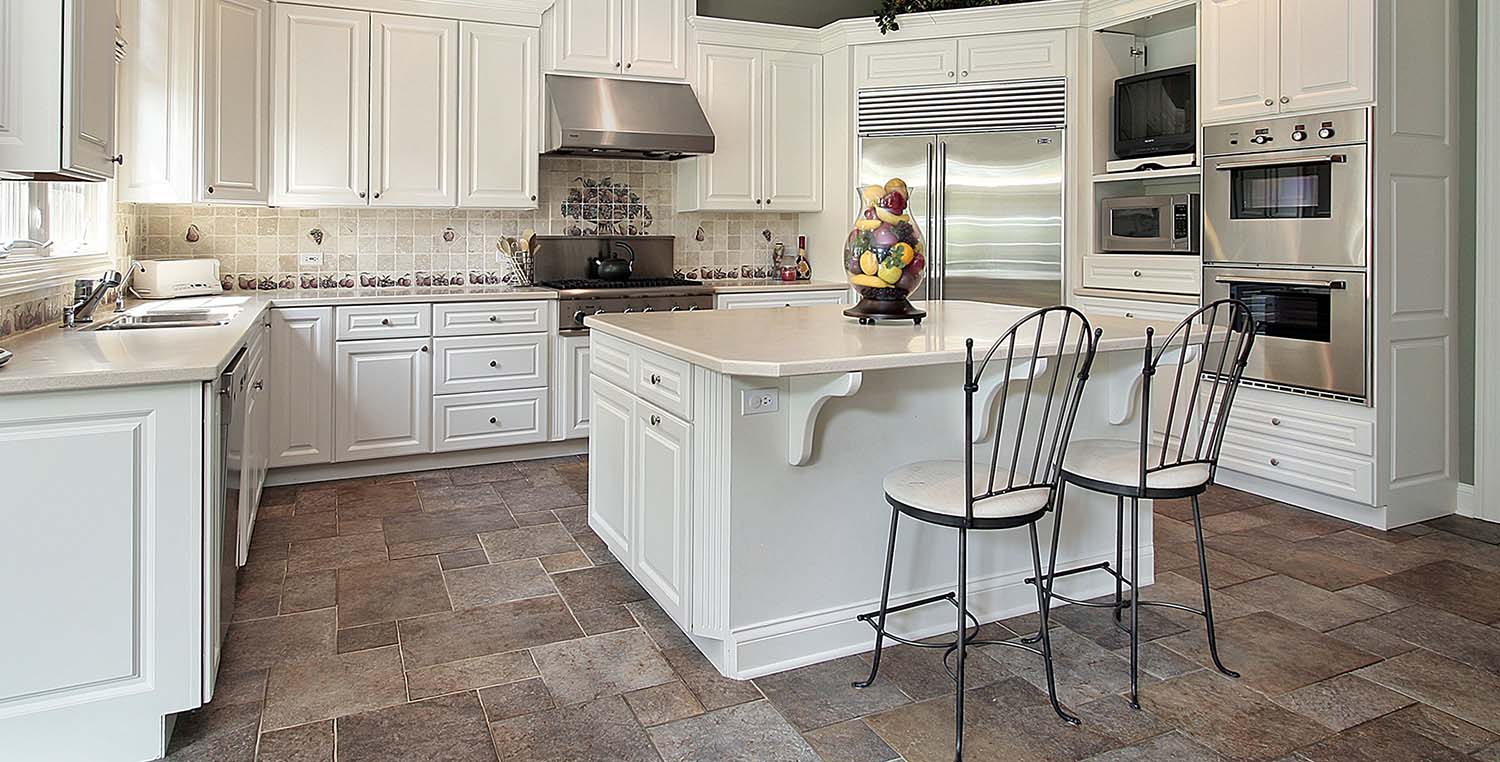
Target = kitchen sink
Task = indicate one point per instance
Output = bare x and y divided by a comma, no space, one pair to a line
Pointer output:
167,319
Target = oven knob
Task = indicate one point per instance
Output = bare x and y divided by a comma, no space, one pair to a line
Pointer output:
579,316
1299,135
645,309
693,308
598,310
1261,140
1325,133
629,310
675,308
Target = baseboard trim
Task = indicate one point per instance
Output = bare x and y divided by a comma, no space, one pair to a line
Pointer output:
1468,504
323,472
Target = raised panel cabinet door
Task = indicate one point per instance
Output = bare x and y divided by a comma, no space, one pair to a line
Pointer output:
793,174
382,398
571,405
158,101
235,77
322,106
610,500
1239,70
497,116
413,111
1018,55
661,488
655,38
587,35
1327,53
300,381
914,62
30,100
89,122
729,89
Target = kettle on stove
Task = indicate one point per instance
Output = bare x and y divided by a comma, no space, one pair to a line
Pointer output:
611,267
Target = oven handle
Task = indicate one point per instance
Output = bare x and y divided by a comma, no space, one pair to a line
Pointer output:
1332,285
1328,158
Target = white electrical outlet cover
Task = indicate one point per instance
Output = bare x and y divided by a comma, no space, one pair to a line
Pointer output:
757,401
310,259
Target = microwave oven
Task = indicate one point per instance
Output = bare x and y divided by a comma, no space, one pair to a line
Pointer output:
1149,224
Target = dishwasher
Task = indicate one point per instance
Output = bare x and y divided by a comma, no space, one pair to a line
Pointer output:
221,535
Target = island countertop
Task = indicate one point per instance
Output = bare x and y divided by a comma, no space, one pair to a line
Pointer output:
798,341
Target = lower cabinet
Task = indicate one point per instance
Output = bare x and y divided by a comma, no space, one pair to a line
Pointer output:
300,377
611,419
798,298
570,384
489,419
382,393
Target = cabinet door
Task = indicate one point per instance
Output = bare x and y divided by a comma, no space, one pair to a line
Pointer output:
253,453
571,382
612,412
896,64
729,89
383,398
1327,54
655,38
413,111
1239,69
235,68
497,115
89,87
322,120
158,101
301,384
660,493
792,180
1020,55
587,35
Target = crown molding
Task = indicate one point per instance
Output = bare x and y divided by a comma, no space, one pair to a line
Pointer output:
960,22
721,31
1104,13
517,12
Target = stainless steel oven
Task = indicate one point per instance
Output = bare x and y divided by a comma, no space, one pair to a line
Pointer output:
1312,325
1291,191
1149,224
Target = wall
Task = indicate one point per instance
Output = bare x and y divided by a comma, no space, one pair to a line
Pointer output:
807,13
259,248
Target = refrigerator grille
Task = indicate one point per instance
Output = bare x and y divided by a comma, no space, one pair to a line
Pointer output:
1016,105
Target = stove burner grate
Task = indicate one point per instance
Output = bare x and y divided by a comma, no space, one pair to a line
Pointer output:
573,284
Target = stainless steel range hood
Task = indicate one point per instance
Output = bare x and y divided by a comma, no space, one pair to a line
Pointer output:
622,118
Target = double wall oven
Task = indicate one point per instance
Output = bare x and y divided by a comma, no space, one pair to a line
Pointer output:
1286,208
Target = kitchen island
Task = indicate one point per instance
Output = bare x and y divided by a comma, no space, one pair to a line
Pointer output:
736,466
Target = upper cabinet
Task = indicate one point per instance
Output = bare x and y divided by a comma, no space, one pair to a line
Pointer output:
986,58
1265,57
765,107
235,72
321,107
497,150
413,111
57,90
643,38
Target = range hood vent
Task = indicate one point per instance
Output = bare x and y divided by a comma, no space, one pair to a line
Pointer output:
624,118
1039,104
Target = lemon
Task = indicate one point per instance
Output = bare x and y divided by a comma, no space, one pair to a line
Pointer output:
868,280
868,264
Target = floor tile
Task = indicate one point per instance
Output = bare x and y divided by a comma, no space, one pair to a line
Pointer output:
224,729
1215,501
267,642
439,638
593,547
1292,524
1448,634
279,495
607,619
713,690
1229,717
822,694
447,728
1463,590
658,625
451,523
1388,557
335,552
333,686
1374,597
527,542
663,703
1293,560
1464,526
316,500
1114,718
1488,754
373,501
1084,669
435,546
360,526
1480,555
300,527
1305,604
851,741
444,498
1458,689
496,472
599,731
390,590
1442,727
561,562
1341,702
601,665
502,702
1367,637
1159,661
367,636
312,742
575,519
920,674
462,559
1271,654
468,674
1170,747
1379,740
231,745
306,591
420,477
526,498
1098,624
534,518
751,732
497,583
598,586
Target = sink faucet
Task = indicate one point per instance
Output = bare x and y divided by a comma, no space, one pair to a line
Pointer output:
87,295
124,287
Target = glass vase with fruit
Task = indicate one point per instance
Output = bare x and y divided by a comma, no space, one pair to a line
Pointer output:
885,255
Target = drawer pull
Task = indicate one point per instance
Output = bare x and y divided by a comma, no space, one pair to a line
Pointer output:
492,420
655,420
1275,421
1137,273
494,364
424,347
655,379
1130,314
1276,461
494,318
385,321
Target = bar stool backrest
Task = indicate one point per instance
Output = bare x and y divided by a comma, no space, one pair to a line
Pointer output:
1059,364
1217,339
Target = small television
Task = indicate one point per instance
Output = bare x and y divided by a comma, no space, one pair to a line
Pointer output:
1156,113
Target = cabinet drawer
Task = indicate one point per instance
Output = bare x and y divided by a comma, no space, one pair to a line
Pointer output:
489,419
383,321
489,363
664,381
1347,477
1166,312
476,318
609,358
777,299
1318,429
1169,274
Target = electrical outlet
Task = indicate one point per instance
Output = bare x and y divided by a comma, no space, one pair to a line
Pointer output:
312,259
757,401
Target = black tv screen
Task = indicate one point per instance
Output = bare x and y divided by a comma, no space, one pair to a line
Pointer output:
1155,113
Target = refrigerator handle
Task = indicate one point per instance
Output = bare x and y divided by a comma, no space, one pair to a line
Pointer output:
939,259
932,240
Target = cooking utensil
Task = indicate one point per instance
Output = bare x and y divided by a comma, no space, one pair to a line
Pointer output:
614,268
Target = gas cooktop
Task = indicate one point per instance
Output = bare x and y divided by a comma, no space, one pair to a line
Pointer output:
579,284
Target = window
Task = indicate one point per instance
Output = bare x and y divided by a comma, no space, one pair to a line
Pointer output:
51,233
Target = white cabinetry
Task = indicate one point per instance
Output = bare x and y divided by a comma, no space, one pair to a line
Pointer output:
1151,273
498,141
235,72
301,386
321,114
570,385
644,38
1262,57
611,421
413,111
156,122
383,392
659,490
766,111
988,58
1166,312
255,450
783,298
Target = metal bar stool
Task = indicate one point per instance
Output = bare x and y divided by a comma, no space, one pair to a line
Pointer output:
1017,491
1145,470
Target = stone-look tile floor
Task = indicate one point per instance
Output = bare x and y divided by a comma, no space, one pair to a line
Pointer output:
470,615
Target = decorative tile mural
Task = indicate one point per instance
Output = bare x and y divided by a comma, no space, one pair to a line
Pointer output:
604,207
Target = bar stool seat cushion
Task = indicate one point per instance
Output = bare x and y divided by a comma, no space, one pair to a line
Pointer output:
937,486
1118,462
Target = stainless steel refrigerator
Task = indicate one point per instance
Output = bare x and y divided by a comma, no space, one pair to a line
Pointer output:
989,202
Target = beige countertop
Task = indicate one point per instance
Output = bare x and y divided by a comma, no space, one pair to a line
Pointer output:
799,341
761,286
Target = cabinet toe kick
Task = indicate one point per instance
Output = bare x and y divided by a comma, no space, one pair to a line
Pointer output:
805,399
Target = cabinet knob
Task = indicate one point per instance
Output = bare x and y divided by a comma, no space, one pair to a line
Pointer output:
1270,102
655,419
964,73
617,64
258,385
627,66
533,198
1137,273
377,194
1275,421
757,202
1276,461
424,347
385,321
494,318
1130,314
492,420
655,379
494,364
118,158
210,189
1285,99
361,194
950,75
